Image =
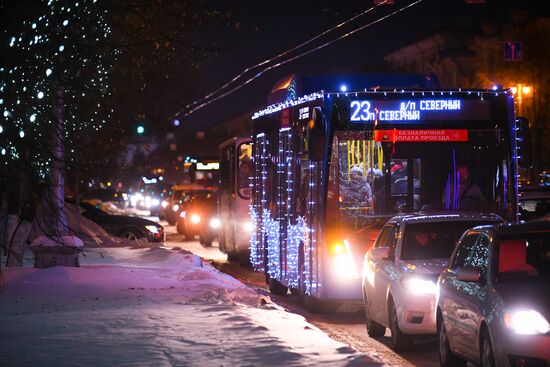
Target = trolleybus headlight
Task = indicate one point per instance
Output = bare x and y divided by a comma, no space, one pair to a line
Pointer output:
419,286
344,266
175,207
247,226
527,322
195,218
215,223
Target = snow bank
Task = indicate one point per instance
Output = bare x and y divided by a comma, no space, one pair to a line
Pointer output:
137,307
92,234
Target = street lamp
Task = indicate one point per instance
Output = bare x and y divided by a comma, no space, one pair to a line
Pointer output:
521,91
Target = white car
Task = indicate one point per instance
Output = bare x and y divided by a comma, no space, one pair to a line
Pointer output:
400,272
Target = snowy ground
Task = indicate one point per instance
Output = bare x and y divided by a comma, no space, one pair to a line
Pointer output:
144,307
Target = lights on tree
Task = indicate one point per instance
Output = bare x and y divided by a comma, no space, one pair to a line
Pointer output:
40,95
33,117
65,22
61,48
48,72
21,134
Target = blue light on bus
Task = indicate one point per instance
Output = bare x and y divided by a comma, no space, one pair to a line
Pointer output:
343,88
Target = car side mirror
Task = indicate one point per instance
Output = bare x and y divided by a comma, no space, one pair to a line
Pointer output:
380,253
468,275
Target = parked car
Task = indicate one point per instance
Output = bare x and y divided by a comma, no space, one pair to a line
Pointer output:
494,303
400,272
124,225
200,217
534,202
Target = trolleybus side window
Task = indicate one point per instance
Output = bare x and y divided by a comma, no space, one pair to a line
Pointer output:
227,170
244,170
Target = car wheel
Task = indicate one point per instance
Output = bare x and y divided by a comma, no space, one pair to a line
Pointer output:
205,241
400,342
487,357
446,357
179,228
131,233
374,329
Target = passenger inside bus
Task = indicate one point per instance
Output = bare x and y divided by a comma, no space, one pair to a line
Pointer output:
357,196
464,195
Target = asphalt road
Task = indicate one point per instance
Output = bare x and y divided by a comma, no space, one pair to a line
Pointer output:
346,325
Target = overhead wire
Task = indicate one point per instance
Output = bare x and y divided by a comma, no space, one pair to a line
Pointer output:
250,68
183,113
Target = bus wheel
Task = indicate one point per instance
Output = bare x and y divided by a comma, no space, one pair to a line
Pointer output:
277,288
316,305
294,291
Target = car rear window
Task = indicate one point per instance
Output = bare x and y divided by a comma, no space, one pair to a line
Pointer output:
524,258
434,240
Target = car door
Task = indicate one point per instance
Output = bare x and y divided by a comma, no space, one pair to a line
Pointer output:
473,296
451,291
385,274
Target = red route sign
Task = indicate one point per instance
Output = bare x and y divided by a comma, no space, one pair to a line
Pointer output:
421,136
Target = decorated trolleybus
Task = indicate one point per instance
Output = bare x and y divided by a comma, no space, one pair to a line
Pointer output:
234,197
332,162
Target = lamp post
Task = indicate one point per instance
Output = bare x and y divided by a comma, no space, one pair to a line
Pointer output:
521,91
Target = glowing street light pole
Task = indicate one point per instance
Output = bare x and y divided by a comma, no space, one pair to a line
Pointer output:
521,91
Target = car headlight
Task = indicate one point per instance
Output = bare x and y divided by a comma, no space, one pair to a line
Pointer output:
182,214
215,223
526,322
164,204
342,261
152,229
175,207
195,218
419,285
155,202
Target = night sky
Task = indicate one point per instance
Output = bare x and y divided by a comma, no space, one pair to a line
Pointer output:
253,31
266,30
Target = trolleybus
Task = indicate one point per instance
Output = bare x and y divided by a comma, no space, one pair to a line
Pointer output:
234,197
331,162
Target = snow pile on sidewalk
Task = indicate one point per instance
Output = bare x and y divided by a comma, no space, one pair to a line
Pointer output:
151,307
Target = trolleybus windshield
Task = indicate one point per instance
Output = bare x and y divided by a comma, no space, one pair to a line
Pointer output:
450,170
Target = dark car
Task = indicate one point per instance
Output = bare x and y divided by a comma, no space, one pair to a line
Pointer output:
200,217
493,307
534,202
124,225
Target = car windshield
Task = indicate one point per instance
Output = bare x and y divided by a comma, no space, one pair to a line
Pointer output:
93,209
524,258
433,240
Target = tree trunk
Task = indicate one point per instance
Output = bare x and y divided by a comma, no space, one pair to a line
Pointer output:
57,191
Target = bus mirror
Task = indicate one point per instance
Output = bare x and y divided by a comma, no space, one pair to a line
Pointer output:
523,142
316,135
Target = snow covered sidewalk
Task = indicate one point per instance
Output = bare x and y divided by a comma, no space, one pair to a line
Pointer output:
152,307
